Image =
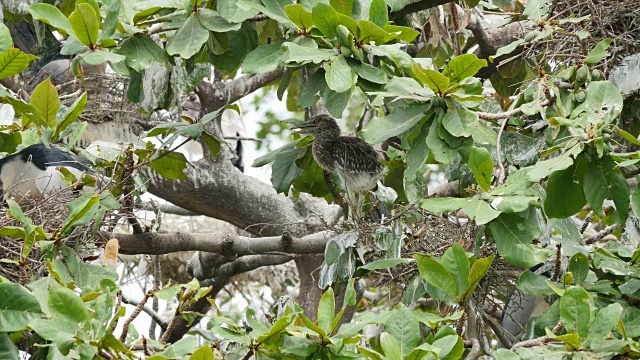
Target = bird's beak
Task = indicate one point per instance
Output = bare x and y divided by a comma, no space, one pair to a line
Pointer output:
298,125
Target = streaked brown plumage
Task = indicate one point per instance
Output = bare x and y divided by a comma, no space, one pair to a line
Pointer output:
351,158
355,161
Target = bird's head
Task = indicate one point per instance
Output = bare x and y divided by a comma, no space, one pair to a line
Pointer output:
320,125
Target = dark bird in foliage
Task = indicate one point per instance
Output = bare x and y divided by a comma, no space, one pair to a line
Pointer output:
351,158
34,171
520,308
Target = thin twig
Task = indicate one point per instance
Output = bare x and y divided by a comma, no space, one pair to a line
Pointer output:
501,173
134,314
599,236
538,341
587,221
507,114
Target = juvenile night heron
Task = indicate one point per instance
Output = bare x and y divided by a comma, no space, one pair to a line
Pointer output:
351,158
34,171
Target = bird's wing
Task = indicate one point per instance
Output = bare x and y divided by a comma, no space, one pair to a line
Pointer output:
356,156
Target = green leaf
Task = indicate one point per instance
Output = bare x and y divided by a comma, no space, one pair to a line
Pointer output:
544,168
397,122
436,274
441,151
603,181
536,9
605,321
458,120
603,103
213,21
404,327
635,201
565,196
189,38
514,236
50,14
46,102
326,310
212,142
92,3
98,57
8,350
579,267
378,13
417,154
338,75
17,307
278,327
273,155
78,208
451,347
13,62
203,353
457,264
533,284
370,33
442,204
302,18
342,6
479,210
369,73
403,33
86,276
66,304
630,138
462,67
433,79
505,354
384,264
299,346
507,49
390,347
85,24
6,42
478,270
141,52
306,54
170,165
482,167
264,58
111,21
575,310
336,102
325,19
599,52
284,170
71,115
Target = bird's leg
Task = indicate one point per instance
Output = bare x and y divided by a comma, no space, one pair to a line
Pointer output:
337,198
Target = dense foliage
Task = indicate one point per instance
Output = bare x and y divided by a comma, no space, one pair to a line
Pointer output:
534,165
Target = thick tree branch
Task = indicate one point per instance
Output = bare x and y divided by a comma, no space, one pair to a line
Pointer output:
220,191
224,243
417,6
169,209
241,87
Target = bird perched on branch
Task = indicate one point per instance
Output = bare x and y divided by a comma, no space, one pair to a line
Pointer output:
351,158
35,170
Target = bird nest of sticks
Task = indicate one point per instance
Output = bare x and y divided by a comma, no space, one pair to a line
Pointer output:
107,95
434,234
50,214
602,19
